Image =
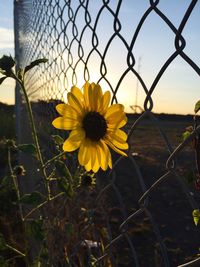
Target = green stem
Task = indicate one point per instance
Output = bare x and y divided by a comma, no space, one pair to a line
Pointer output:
53,159
15,183
41,205
35,137
33,128
16,250
9,163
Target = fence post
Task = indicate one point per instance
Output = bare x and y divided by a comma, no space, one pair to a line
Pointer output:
17,58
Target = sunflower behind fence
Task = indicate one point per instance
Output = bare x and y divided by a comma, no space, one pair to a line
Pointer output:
122,221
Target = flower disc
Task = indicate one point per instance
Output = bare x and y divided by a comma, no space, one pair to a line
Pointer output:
94,125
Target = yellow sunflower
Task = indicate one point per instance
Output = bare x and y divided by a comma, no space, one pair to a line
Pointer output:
94,126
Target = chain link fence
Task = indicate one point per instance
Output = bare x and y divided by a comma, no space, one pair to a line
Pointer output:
140,214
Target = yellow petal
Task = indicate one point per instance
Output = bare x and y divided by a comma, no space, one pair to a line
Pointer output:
65,123
84,152
95,164
75,103
81,155
91,97
98,155
117,134
74,140
118,138
66,111
121,145
97,96
92,163
105,155
86,94
114,110
110,161
117,122
115,148
122,122
105,101
92,155
115,117
88,166
77,93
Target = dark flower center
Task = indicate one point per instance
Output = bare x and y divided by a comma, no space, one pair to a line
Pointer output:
94,125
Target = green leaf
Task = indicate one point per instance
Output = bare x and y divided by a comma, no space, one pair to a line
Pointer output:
34,198
35,63
28,148
2,79
62,170
7,181
65,187
185,135
190,177
77,177
197,107
65,180
196,216
2,242
58,140
35,229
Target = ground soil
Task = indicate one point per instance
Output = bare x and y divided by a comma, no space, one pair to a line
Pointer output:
168,205
169,208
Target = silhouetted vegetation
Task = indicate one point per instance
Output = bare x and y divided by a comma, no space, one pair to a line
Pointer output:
7,118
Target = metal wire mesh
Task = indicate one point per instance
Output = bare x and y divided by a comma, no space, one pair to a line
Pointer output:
89,40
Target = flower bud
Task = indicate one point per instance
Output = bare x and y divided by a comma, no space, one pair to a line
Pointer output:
19,170
10,143
6,64
87,179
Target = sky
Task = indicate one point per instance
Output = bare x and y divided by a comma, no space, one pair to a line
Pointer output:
178,89
7,47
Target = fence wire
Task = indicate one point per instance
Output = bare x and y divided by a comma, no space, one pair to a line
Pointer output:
140,205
